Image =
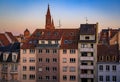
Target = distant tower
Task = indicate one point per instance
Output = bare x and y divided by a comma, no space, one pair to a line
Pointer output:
53,24
26,33
49,24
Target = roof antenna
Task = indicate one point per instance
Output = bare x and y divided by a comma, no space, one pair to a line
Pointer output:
59,24
86,20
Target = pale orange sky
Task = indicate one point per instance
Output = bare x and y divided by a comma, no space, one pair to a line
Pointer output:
16,16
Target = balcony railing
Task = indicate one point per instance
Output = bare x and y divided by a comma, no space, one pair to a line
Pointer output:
87,49
86,76
87,58
86,67
13,71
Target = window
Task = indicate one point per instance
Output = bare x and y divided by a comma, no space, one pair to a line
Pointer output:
54,68
56,42
47,51
24,60
100,58
47,69
100,78
101,67
84,54
49,42
114,68
47,77
64,77
24,77
40,59
39,69
54,51
114,78
24,68
64,51
47,60
65,69
24,51
84,71
64,60
32,68
32,77
32,51
54,59
83,45
40,78
72,69
42,42
31,59
72,51
91,53
72,77
72,60
40,51
107,68
87,37
14,57
91,45
54,77
83,63
4,57
107,78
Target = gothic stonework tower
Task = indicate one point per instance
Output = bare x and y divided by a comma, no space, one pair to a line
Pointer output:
49,23
26,33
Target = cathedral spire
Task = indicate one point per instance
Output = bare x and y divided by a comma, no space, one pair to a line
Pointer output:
49,23
48,10
53,24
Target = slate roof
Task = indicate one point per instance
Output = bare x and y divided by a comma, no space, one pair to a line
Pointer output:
10,49
88,29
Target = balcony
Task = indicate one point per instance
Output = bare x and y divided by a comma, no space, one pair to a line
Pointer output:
87,58
87,50
86,76
86,67
13,71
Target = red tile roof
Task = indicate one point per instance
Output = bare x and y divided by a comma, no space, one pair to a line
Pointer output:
68,37
3,40
11,37
104,50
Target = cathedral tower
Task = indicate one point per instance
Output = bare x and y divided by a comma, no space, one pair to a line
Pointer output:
49,24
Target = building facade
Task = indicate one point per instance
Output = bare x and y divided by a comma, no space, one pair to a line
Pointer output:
87,49
108,63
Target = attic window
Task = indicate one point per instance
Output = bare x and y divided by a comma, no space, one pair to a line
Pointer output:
38,34
87,37
42,42
4,57
14,57
30,42
71,33
48,33
67,41
56,33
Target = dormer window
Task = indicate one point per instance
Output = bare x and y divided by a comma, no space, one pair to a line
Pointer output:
14,57
5,55
87,38
49,42
56,42
42,42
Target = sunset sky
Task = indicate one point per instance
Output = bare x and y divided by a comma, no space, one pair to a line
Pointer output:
17,15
